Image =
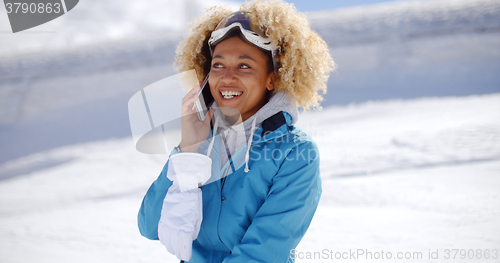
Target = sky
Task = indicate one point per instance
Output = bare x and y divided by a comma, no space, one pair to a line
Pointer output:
316,5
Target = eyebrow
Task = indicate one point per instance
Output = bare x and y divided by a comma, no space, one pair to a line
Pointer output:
246,57
240,57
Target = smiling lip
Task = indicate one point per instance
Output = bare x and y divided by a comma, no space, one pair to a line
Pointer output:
230,94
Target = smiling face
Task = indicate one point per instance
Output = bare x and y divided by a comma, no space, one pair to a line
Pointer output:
240,76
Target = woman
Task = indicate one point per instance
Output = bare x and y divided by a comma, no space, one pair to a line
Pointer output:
260,179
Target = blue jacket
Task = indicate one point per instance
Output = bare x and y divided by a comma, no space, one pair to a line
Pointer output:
257,216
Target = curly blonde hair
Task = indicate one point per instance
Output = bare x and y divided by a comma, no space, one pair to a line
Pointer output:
303,57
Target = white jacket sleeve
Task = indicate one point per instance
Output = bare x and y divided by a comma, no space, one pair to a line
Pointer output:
182,213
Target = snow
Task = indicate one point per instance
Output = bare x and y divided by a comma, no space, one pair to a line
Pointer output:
398,175
402,139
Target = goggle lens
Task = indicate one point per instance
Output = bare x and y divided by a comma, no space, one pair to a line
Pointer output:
242,17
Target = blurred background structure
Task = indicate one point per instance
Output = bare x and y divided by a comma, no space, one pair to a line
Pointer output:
67,81
415,88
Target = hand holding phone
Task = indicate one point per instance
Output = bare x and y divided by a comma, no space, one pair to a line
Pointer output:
205,100
195,122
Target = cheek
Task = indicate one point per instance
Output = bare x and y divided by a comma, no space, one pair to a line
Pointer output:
258,86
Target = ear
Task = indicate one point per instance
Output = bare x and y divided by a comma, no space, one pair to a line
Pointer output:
270,81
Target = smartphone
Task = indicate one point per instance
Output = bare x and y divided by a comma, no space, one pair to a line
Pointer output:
205,100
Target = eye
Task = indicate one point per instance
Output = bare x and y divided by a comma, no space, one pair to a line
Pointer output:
217,65
244,66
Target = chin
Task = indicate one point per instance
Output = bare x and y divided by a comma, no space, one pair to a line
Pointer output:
228,111
233,115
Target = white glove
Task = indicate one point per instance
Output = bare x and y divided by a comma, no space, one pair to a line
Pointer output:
182,210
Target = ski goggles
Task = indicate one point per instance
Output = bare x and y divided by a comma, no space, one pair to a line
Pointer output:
240,21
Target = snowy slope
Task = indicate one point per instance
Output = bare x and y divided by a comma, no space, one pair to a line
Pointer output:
405,21
382,138
412,49
399,176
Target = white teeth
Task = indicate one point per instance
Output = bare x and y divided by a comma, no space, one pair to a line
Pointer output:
234,93
230,94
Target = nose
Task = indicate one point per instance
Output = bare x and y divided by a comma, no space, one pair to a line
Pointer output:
229,76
